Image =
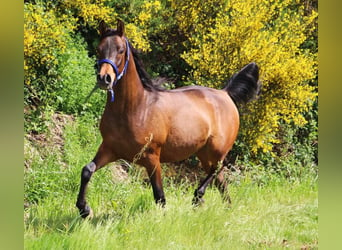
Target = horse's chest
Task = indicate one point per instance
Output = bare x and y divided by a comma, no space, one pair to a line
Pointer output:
115,131
123,137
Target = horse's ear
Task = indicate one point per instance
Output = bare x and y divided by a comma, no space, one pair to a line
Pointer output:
103,27
120,28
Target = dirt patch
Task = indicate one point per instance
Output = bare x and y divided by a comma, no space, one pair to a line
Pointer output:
55,134
53,138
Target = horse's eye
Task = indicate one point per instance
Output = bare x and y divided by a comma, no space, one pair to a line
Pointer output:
120,49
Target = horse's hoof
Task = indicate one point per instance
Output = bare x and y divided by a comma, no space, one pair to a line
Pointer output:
227,199
196,201
86,212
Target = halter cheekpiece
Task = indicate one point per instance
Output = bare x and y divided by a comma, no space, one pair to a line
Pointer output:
116,70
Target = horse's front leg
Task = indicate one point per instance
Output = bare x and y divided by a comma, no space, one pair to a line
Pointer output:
157,185
81,203
102,157
152,165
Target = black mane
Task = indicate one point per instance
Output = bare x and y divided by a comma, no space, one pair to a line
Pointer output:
148,83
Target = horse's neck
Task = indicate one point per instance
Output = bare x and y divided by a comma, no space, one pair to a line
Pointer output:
128,93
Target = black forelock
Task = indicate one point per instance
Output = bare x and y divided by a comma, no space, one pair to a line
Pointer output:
109,32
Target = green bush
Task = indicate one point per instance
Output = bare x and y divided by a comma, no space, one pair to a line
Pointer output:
65,91
76,79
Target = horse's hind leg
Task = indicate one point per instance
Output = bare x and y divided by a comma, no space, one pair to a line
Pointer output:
102,158
200,191
222,185
214,171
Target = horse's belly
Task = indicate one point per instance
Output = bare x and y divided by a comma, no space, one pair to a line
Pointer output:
169,154
183,143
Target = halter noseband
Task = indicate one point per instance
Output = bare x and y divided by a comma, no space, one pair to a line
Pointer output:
116,70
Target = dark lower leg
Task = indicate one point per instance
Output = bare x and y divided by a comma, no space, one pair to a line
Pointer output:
102,157
200,191
158,194
81,203
157,186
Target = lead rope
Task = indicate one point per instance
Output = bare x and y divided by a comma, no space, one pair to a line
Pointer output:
112,95
91,92
95,88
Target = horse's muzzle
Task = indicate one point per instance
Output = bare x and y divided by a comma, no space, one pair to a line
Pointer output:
105,81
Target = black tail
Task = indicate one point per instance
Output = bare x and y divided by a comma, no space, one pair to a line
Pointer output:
244,86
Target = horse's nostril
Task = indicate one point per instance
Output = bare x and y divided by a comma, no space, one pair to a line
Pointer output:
108,79
104,79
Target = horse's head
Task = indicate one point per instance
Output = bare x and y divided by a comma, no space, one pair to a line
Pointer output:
113,55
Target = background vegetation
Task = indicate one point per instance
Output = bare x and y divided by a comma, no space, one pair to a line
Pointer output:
186,42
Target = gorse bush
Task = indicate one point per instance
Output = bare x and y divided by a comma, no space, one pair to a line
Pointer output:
45,38
223,36
192,43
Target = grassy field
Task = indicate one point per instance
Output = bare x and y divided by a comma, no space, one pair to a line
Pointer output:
277,215
267,212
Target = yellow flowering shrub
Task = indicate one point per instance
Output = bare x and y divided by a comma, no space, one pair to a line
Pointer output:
45,36
223,36
149,8
138,31
90,11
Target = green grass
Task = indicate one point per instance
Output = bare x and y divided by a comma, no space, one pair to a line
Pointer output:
275,216
275,213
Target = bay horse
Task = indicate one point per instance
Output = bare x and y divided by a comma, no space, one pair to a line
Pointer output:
186,121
